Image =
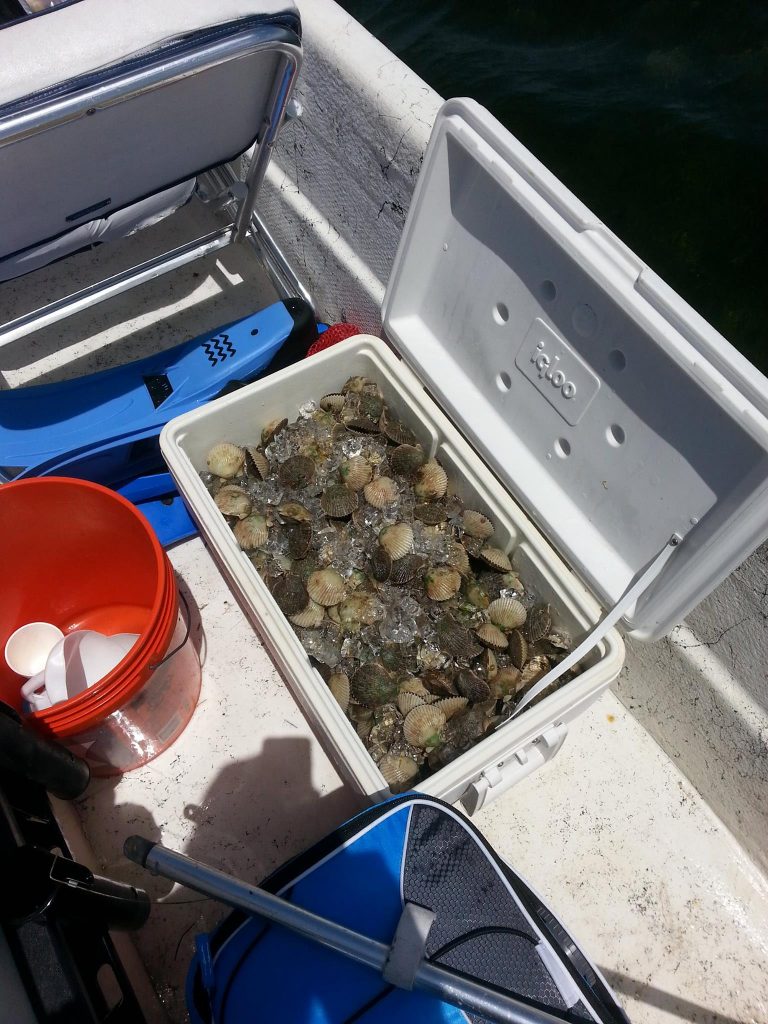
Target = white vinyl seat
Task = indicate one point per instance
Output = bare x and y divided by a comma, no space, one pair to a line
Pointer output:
110,110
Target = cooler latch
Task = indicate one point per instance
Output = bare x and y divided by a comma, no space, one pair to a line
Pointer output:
498,778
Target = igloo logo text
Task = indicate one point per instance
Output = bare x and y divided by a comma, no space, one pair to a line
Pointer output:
548,369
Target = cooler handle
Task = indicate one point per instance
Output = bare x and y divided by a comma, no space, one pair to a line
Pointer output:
498,778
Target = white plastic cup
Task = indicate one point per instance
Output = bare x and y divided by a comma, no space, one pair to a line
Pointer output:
28,647
35,693
81,659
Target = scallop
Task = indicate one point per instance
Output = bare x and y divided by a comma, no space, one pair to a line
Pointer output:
310,617
355,472
295,511
406,569
397,540
539,623
225,460
326,587
371,405
491,636
233,501
360,424
360,609
451,706
257,463
271,430
373,684
408,701
338,501
534,670
488,664
291,594
381,492
453,639
333,402
431,481
506,682
496,559
438,683
442,583
476,524
431,513
423,726
355,385
518,648
476,594
338,684
507,613
471,686
296,471
457,558
395,431
410,684
398,770
381,564
406,459
252,532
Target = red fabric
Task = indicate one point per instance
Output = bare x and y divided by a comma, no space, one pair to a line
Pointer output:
334,334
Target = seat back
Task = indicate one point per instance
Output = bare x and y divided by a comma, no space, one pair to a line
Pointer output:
195,94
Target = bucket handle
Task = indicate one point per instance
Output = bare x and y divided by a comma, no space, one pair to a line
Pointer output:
178,647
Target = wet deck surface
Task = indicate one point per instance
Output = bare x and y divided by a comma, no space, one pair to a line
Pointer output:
625,850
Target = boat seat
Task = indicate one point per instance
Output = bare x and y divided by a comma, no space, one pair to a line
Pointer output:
110,112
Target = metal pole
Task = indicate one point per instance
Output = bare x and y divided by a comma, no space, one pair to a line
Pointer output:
437,981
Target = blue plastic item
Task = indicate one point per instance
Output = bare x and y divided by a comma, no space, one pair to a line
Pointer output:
104,427
157,498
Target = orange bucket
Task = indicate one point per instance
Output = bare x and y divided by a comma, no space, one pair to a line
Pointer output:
82,557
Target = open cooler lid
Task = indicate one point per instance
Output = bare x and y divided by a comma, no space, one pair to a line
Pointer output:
607,406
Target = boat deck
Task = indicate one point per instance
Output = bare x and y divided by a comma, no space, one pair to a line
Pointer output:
613,836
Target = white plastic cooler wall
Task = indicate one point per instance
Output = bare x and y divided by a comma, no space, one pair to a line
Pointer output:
538,733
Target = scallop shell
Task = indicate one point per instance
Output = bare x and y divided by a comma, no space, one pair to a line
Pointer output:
360,609
381,492
326,587
506,682
396,432
539,623
406,569
338,684
534,670
476,594
438,683
310,617
397,540
423,726
471,686
458,559
451,706
476,524
560,641
291,595
398,770
381,564
453,639
355,472
338,501
355,385
371,405
488,664
431,481
410,684
518,648
496,559
491,636
373,684
296,471
361,424
466,727
251,532
406,459
333,402
431,513
257,463
507,613
295,511
408,701
442,583
225,460
233,501
272,429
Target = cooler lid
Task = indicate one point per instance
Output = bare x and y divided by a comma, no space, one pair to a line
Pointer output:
607,406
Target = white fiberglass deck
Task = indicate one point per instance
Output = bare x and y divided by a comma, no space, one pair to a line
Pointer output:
621,845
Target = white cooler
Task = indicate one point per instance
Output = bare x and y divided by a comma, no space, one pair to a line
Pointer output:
619,443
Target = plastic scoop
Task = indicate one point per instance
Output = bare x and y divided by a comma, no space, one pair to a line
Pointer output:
81,659
28,647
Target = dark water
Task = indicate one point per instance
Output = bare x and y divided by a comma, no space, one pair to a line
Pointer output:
653,113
